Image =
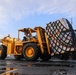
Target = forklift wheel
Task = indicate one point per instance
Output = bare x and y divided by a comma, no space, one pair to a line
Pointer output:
74,55
17,57
3,52
45,57
64,56
31,52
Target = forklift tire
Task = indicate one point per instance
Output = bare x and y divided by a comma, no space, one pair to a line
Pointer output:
74,55
45,57
64,56
31,52
3,52
17,57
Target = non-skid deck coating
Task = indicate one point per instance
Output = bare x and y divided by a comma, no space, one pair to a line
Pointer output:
52,67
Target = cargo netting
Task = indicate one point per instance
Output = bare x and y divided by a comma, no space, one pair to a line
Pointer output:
60,36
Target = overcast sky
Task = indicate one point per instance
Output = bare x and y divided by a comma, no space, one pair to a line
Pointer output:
16,14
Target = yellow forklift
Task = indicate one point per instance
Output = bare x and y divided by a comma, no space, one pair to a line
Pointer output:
34,44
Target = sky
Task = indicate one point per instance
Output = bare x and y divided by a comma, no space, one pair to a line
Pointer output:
16,14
